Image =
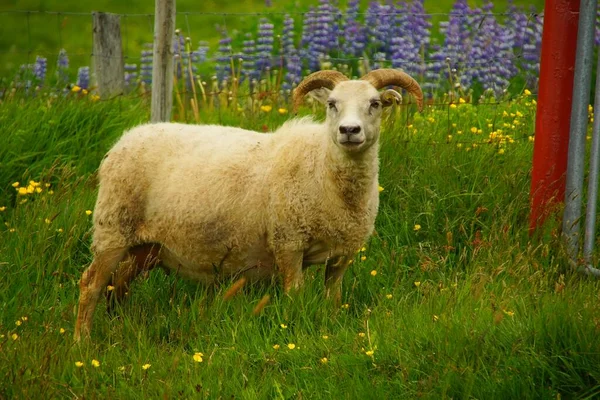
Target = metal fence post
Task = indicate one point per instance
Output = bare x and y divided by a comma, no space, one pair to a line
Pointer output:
576,154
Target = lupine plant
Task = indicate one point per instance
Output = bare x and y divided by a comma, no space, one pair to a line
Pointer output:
475,48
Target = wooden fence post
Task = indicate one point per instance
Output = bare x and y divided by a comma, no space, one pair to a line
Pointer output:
108,54
162,64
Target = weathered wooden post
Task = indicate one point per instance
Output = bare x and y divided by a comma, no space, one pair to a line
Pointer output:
108,54
162,64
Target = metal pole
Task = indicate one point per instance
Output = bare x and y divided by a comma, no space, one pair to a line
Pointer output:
559,41
581,98
592,195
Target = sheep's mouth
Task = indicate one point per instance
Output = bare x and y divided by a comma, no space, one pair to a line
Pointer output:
351,142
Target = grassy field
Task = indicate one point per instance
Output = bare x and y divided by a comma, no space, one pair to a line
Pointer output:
450,298
23,36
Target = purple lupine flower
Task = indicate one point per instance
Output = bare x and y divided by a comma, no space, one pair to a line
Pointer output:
264,46
130,75
224,55
491,52
249,59
309,29
39,70
199,56
83,77
354,33
379,22
290,55
146,63
456,48
62,67
529,62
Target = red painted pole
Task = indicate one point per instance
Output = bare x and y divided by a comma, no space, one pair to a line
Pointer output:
559,43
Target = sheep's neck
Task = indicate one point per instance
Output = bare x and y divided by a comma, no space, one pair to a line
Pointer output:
352,177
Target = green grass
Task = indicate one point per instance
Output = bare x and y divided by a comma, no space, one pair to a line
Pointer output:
23,36
468,306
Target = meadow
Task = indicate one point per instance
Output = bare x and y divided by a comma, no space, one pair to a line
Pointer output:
452,297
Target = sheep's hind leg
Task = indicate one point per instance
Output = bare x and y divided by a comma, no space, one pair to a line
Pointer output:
93,280
290,266
140,259
334,272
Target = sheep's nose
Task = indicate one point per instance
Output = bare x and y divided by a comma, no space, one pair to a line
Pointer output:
350,129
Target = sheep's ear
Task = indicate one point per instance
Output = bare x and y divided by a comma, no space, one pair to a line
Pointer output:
389,97
320,94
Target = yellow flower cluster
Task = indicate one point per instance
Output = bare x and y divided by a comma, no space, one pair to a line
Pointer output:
31,188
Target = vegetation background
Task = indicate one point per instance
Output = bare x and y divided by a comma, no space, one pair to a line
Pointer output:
451,298
24,36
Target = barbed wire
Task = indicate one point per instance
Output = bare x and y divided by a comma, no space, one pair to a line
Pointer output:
254,14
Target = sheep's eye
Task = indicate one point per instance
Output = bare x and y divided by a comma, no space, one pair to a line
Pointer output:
331,105
375,104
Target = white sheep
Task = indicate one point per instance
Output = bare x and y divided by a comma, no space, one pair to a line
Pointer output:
215,201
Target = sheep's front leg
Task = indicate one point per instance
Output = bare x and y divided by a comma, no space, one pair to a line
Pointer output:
334,272
289,262
93,280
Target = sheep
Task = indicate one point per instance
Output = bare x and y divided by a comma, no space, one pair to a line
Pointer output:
212,201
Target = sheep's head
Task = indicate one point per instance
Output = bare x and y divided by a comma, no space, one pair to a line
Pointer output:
354,106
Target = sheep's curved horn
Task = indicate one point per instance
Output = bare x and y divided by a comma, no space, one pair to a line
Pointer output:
385,77
316,80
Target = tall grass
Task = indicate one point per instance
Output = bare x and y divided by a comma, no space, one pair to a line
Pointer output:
450,298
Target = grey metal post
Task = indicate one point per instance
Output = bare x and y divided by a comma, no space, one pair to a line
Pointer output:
108,54
592,195
162,65
576,155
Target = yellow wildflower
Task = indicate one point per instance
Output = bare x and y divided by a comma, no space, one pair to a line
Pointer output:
59,230
16,184
14,336
61,331
381,189
266,108
519,114
361,334
453,105
78,364
2,208
146,366
282,111
95,363
370,353
38,190
94,97
501,151
346,306
324,360
75,89
417,283
198,357
435,318
24,318
325,337
509,313
22,191
122,368
374,272
417,227
276,346
12,230
283,326
526,92
88,212
84,91
291,346
388,296
18,322
474,129
47,220
461,100
363,249
363,258
110,288
30,189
